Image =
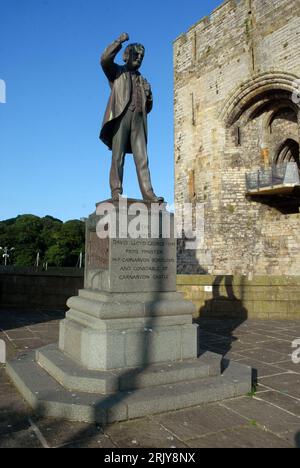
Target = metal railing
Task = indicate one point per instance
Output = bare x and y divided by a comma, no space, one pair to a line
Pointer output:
285,175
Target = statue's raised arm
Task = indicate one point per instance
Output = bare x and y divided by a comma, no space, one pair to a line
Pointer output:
108,56
124,128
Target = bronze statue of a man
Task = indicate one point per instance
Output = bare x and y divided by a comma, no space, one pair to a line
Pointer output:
124,128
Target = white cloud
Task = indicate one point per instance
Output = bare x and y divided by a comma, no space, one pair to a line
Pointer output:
2,92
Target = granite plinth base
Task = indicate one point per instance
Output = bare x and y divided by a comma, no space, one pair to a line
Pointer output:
104,331
56,386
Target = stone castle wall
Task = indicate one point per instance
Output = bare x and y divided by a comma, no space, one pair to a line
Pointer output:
237,297
214,296
234,76
28,288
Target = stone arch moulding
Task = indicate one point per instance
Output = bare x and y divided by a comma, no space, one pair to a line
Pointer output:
254,89
288,151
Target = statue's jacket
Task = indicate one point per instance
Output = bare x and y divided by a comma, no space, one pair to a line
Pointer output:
121,90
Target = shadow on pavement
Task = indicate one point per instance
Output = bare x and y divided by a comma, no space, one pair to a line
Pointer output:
14,319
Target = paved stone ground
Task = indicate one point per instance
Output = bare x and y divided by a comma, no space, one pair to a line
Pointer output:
269,418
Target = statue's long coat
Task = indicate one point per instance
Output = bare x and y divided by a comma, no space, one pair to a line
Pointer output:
121,89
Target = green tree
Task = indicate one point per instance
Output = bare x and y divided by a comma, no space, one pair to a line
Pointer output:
56,256
58,243
28,230
51,227
69,242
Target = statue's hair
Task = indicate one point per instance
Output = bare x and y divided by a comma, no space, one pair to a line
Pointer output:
129,48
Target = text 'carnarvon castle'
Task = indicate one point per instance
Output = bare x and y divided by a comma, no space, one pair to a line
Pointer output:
237,136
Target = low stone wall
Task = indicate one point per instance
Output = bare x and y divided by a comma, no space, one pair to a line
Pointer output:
263,297
25,288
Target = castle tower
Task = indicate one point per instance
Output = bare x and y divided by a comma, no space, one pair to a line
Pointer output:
237,137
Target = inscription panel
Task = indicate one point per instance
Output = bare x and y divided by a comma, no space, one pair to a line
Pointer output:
142,265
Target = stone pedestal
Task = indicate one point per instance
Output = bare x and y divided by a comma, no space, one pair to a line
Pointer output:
128,345
129,313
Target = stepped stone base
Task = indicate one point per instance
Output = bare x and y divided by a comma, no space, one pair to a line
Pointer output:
128,346
55,386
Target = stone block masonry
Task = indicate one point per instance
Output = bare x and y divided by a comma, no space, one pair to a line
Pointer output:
234,74
263,297
237,297
32,289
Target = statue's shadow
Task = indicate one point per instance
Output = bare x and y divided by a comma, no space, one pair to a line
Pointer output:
220,318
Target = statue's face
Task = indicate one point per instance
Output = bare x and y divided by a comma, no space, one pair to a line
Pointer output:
135,58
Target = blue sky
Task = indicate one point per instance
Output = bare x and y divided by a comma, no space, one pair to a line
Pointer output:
51,159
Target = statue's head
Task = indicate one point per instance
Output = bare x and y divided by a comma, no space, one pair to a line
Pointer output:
133,56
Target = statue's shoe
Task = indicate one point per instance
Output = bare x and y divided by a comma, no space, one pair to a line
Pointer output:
154,199
116,196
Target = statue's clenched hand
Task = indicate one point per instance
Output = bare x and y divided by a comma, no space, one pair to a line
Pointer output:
123,38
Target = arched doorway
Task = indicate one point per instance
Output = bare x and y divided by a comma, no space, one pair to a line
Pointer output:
288,152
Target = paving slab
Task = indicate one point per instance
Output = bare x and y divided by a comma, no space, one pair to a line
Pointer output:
267,416
281,346
243,437
100,442
283,401
13,421
58,433
288,383
286,335
263,354
24,344
10,400
289,366
253,338
21,333
261,369
200,421
20,439
144,433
